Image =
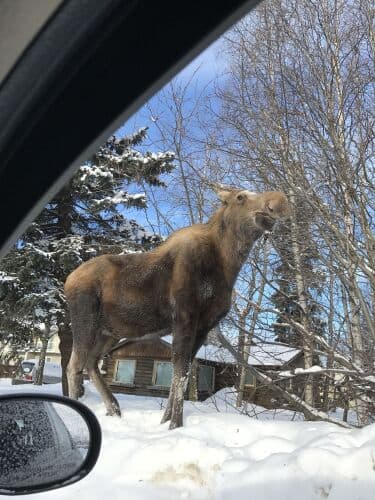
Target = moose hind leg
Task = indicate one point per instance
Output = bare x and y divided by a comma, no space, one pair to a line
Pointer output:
102,346
74,373
111,403
84,315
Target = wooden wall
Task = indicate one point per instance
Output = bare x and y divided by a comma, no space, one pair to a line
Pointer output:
145,353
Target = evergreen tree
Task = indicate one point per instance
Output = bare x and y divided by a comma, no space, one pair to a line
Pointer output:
86,218
92,202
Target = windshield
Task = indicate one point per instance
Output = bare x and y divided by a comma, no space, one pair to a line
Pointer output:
206,277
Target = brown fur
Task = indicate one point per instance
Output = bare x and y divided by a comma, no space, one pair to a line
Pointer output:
184,286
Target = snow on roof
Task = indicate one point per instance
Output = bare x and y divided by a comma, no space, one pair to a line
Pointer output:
261,354
272,354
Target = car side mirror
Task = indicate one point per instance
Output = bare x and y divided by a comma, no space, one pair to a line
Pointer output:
46,442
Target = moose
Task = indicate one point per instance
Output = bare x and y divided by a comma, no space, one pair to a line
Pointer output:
183,286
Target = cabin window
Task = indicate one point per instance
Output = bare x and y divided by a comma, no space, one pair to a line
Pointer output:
125,371
162,373
250,379
206,377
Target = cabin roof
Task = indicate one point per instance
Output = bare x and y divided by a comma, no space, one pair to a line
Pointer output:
261,353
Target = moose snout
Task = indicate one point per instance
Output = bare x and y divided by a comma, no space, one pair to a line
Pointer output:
264,221
276,205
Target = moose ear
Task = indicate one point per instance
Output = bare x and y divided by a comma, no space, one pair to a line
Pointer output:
224,196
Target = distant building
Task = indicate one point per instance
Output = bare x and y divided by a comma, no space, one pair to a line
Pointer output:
52,354
145,368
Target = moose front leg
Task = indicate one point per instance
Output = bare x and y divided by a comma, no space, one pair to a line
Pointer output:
181,357
179,383
197,343
168,410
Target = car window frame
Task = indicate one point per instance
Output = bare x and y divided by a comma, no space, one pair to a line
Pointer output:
43,102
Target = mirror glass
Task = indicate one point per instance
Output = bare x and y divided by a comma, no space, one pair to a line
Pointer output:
40,442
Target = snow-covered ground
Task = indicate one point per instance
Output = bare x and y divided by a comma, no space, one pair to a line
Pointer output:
220,454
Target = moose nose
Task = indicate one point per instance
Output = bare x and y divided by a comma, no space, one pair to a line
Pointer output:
265,221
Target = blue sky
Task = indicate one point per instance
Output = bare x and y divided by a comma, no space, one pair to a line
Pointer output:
205,68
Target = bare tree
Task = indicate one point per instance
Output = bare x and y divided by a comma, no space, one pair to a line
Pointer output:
176,116
246,317
298,105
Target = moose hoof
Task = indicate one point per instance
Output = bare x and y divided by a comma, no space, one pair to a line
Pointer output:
113,413
114,410
165,418
173,425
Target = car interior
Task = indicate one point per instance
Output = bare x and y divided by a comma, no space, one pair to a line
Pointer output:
292,117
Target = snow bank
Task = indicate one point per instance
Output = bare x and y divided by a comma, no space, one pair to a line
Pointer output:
221,455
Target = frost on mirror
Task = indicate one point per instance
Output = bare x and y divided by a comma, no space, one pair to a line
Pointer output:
40,442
